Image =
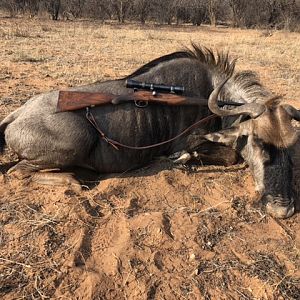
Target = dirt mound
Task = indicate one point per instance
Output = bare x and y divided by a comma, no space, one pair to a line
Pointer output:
156,233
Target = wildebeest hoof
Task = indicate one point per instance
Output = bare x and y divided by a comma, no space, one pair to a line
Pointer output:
18,173
182,157
23,169
279,211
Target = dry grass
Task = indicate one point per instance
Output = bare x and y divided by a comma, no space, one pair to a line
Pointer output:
76,53
192,233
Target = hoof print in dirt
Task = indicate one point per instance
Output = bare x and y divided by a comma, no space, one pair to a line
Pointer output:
93,211
133,208
158,261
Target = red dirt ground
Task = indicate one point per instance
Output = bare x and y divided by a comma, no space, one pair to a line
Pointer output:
160,232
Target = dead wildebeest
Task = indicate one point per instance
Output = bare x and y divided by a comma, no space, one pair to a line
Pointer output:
260,129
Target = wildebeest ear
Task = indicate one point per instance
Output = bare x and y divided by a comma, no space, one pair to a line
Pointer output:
229,136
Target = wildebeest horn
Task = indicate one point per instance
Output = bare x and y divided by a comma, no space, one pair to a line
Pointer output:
292,111
252,109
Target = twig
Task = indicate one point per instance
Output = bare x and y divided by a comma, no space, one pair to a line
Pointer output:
16,263
38,290
285,229
209,208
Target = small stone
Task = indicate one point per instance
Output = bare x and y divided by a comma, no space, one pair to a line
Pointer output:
192,256
197,272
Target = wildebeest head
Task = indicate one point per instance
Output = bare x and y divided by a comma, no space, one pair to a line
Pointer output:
263,139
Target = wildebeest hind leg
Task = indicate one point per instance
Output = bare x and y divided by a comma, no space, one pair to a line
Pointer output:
43,174
57,179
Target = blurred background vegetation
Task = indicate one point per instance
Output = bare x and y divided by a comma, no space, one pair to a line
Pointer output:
277,14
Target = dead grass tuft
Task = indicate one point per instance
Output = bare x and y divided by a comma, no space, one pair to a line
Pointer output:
29,58
46,28
21,32
218,274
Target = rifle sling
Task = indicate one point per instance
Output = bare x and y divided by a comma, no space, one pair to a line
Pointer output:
116,145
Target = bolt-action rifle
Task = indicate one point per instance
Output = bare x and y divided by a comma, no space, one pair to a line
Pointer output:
143,93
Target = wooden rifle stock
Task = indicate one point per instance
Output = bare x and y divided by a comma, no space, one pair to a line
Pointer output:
73,100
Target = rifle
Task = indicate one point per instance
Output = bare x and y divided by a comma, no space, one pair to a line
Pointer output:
72,100
156,93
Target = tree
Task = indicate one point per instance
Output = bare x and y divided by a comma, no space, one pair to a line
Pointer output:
99,9
120,8
193,11
142,9
198,12
212,11
238,8
282,13
53,7
262,13
12,6
166,11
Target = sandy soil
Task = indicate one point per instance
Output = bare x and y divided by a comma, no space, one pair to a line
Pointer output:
161,232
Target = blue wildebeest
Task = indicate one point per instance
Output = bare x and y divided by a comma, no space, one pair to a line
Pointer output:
260,130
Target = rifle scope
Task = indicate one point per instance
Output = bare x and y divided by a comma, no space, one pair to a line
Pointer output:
133,84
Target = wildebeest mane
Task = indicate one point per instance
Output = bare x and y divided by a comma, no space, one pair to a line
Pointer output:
219,61
153,63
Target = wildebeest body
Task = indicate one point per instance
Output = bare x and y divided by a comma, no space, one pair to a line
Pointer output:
45,139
